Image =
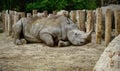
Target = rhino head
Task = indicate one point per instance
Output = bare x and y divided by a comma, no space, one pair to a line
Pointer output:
75,36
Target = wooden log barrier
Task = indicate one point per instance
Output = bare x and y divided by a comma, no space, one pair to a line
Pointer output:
108,23
12,19
16,18
22,14
3,20
6,22
98,25
81,20
54,12
73,16
89,23
9,25
34,13
45,13
117,22
29,15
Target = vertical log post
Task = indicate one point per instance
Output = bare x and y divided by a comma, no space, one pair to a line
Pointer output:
45,13
34,13
16,17
81,20
3,20
12,13
9,25
98,25
73,16
22,14
10,22
54,12
29,15
117,22
94,20
6,22
1,24
108,23
89,25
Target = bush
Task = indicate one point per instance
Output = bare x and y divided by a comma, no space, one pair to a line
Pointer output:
51,5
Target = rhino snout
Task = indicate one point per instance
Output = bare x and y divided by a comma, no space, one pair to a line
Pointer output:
82,42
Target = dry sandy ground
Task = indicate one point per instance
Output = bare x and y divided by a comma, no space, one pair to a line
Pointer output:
39,57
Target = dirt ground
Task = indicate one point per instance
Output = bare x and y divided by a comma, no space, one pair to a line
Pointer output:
39,57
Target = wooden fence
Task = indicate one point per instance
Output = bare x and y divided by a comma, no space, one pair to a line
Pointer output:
85,19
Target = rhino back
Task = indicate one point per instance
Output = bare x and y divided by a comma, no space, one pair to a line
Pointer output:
57,27
54,26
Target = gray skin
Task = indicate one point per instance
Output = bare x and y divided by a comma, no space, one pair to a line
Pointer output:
58,30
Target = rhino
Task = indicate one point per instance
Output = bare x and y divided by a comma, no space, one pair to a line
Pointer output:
59,30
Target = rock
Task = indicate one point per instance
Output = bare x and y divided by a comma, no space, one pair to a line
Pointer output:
110,59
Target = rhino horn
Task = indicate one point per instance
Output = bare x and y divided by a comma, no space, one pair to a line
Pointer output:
86,35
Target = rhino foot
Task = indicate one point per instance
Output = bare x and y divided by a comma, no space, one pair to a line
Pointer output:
20,42
63,43
23,41
17,42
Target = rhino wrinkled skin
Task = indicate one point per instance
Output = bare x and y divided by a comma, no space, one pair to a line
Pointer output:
58,30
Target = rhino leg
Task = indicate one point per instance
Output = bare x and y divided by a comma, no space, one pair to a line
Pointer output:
17,29
47,38
63,43
18,40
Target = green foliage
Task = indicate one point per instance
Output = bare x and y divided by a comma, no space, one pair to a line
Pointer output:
50,5
47,5
91,4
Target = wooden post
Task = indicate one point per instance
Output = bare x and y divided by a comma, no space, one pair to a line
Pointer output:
16,18
108,23
22,14
81,20
3,20
10,21
45,13
94,20
89,25
12,17
117,22
73,16
6,22
98,25
9,25
29,15
54,12
34,13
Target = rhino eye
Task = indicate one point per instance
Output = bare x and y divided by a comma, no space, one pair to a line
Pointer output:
75,33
